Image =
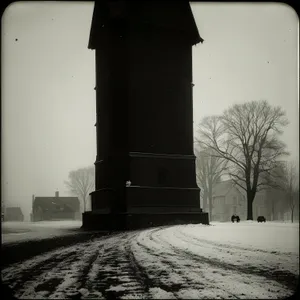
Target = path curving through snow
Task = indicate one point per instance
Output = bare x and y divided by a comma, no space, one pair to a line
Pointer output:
176,262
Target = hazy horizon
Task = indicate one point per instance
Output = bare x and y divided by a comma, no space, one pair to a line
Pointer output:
250,52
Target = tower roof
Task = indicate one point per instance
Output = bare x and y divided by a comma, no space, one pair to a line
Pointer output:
172,15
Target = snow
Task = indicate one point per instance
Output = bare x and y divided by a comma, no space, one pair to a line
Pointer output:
13,232
270,236
158,293
42,224
224,260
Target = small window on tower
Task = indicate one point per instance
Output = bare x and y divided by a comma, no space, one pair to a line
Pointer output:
162,177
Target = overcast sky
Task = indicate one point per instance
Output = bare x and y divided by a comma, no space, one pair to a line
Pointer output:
48,99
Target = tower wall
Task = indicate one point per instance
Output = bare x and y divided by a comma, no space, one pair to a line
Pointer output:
144,114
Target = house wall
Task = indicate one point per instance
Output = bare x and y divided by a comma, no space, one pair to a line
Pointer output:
271,204
218,208
225,206
13,217
37,214
43,214
260,206
278,203
236,204
13,214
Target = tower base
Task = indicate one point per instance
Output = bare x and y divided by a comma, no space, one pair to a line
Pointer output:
93,220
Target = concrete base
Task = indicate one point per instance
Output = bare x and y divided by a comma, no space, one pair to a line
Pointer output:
125,221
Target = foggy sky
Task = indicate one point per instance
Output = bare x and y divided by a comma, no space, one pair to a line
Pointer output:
48,78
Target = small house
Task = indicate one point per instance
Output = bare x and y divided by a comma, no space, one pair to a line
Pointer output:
55,208
227,200
13,214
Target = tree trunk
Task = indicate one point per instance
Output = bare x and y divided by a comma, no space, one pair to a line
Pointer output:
292,207
210,208
204,200
250,198
210,202
84,205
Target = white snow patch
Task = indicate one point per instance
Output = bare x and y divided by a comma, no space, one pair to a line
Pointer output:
118,288
83,291
158,293
133,296
190,293
13,232
269,236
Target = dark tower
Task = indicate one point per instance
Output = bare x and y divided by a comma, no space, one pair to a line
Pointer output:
145,164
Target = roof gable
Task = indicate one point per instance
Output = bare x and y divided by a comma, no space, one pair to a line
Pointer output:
52,202
222,188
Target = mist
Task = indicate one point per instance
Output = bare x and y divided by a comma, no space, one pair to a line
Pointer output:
249,53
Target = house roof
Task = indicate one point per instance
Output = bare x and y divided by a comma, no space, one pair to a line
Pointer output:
52,202
175,15
223,187
14,210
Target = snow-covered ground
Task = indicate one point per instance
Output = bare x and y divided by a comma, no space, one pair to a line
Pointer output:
22,231
245,260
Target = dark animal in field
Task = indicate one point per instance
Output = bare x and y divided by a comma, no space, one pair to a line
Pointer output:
235,218
261,219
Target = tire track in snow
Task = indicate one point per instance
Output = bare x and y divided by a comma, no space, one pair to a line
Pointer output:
262,261
40,278
233,247
285,278
74,275
289,279
162,278
158,276
15,277
84,274
44,274
64,273
115,273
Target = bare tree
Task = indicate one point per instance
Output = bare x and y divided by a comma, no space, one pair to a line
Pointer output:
289,182
246,135
81,182
209,171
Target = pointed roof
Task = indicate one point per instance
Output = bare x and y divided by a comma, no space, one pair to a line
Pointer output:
223,187
174,15
52,202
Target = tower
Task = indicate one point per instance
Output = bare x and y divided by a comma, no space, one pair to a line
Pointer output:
145,164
